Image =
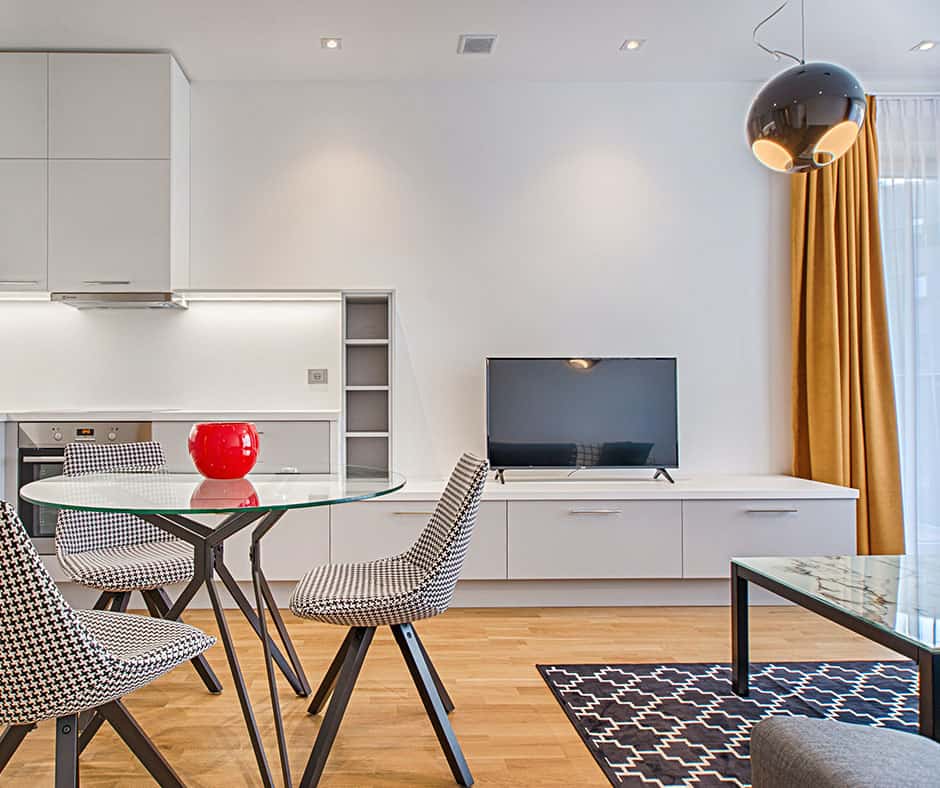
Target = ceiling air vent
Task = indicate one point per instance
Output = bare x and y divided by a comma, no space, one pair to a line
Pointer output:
475,44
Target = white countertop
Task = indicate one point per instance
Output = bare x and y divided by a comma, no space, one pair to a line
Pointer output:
692,487
158,414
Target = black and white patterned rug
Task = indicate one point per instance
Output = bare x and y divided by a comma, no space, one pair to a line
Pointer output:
681,725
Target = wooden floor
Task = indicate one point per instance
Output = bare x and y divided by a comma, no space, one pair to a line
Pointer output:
511,729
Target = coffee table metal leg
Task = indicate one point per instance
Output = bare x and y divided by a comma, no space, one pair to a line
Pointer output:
740,657
929,669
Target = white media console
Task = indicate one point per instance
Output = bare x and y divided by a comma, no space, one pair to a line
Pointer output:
573,542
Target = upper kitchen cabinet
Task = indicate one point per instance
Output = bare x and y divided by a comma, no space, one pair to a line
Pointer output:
114,106
23,101
22,224
118,173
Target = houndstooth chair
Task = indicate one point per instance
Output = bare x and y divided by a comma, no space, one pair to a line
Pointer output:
120,553
395,592
56,662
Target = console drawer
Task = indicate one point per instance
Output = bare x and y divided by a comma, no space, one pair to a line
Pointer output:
553,540
714,532
369,530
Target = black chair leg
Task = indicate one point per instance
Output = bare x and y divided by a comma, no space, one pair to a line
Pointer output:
87,728
158,603
421,675
121,601
329,679
126,726
66,752
359,640
103,601
441,689
10,741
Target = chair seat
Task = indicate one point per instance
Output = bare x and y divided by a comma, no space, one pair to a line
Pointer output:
134,650
134,567
372,594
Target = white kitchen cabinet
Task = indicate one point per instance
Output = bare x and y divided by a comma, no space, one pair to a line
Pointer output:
22,224
110,105
378,529
109,226
299,542
583,539
714,532
23,101
283,446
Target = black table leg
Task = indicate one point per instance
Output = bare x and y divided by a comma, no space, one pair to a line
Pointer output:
929,669
255,555
740,657
226,637
231,585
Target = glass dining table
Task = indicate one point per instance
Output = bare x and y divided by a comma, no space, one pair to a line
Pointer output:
172,501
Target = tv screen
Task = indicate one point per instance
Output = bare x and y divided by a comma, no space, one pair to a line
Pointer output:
581,413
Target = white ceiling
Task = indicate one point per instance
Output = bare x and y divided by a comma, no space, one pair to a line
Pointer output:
688,40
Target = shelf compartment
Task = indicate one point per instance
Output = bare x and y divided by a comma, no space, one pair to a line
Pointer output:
367,318
367,365
367,411
367,451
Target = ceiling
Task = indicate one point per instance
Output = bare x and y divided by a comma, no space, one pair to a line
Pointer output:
688,40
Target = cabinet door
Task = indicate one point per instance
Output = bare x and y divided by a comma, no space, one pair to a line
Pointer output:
109,226
557,540
22,224
23,105
714,532
369,530
299,542
109,106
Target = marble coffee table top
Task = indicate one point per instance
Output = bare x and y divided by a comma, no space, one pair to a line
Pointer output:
900,594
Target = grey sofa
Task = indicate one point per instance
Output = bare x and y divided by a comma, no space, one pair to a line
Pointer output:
801,752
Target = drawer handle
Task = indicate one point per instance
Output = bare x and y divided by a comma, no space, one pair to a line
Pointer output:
106,282
771,511
595,511
4,282
413,514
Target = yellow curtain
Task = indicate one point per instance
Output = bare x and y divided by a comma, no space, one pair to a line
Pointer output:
844,420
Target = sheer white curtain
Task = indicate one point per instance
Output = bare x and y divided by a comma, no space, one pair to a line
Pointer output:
909,160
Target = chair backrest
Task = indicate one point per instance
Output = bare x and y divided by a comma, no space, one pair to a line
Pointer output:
442,546
78,532
47,657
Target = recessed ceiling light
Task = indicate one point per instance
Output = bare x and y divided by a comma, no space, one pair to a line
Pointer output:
632,44
923,46
331,42
476,43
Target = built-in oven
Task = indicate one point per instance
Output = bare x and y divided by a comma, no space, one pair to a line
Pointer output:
40,452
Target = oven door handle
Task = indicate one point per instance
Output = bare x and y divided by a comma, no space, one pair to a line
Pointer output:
57,460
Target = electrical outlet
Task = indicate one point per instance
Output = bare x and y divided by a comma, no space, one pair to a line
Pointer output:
317,376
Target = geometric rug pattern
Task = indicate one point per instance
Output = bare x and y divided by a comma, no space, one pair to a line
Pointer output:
681,725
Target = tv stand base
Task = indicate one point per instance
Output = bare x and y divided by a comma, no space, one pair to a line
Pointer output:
665,474
500,475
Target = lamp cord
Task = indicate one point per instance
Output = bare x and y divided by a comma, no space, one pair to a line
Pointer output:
778,53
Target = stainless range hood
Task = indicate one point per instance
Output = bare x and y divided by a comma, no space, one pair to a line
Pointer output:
122,300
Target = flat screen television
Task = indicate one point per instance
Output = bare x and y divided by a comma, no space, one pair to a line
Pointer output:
581,413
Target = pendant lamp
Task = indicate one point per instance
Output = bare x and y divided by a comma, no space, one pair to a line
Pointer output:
807,116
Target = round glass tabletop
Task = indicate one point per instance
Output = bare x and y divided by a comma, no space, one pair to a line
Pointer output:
190,493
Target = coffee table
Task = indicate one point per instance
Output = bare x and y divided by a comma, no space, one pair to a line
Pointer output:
892,600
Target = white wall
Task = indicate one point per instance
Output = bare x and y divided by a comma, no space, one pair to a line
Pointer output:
217,356
555,219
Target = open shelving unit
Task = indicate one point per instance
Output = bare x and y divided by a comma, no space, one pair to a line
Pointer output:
367,379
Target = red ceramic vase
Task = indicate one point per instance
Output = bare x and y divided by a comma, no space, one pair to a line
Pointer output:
224,451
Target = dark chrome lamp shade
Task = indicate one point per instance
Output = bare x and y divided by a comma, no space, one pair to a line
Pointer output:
806,117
